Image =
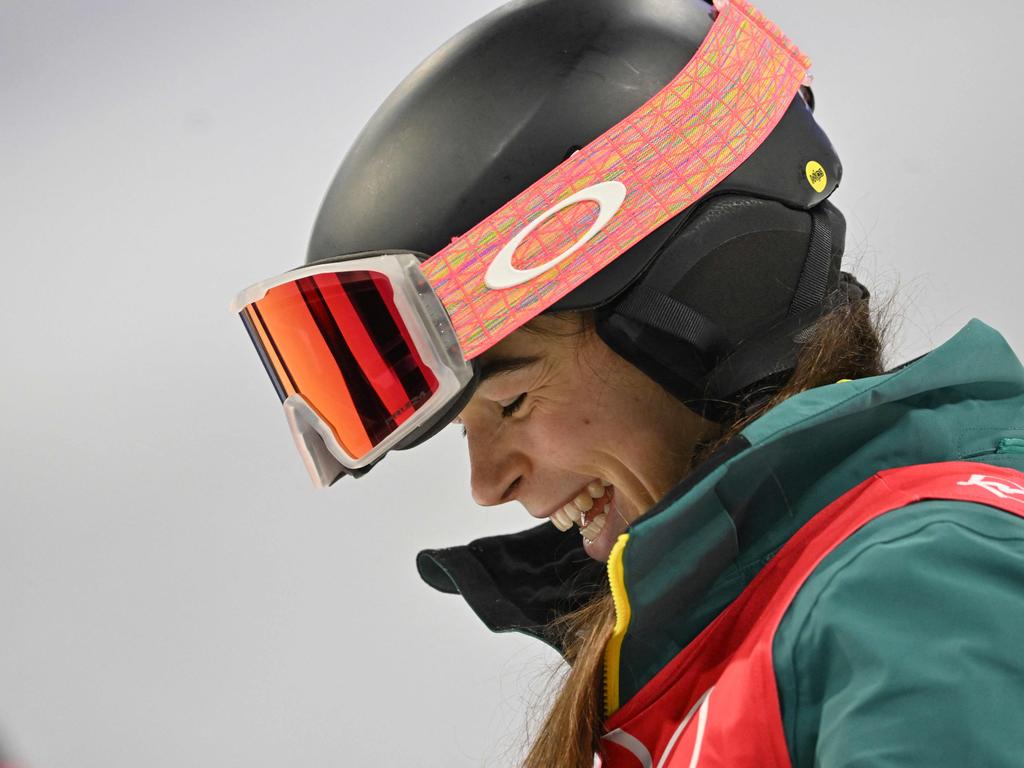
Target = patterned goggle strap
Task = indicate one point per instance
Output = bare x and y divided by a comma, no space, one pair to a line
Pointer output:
622,186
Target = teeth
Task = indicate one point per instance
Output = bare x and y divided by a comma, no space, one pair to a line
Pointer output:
583,502
573,511
561,520
595,527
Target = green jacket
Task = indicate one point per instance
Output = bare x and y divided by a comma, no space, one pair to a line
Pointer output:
903,647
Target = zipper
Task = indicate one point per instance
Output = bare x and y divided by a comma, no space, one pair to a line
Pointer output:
617,582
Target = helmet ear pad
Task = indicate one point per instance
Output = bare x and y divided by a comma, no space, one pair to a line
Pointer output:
737,267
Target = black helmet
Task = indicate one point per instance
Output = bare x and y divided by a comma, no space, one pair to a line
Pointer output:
707,305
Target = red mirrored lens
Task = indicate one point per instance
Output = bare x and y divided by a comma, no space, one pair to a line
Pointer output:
338,340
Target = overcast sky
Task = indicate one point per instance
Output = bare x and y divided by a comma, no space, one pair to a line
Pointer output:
172,590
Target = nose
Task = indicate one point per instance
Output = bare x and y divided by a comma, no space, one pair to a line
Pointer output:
497,469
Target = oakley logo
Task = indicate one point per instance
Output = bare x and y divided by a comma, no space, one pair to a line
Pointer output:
501,274
1004,489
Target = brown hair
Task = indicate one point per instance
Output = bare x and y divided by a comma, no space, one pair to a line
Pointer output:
844,344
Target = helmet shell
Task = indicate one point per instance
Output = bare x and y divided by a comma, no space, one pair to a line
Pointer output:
512,95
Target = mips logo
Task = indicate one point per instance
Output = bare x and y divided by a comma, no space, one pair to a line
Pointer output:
816,176
607,194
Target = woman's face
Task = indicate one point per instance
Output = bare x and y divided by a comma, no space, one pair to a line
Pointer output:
559,419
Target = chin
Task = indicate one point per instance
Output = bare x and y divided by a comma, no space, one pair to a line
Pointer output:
599,549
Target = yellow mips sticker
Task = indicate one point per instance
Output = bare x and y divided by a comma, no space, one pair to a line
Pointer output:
816,176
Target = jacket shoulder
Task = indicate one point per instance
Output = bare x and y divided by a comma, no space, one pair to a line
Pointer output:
901,648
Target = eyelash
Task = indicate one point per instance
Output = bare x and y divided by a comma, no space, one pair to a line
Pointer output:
506,410
515,405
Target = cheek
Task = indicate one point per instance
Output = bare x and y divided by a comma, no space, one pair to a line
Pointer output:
577,436
561,433
631,424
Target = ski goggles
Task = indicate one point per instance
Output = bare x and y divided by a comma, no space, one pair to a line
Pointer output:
375,351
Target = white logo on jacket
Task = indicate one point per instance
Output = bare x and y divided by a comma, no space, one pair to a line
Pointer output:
607,194
1004,489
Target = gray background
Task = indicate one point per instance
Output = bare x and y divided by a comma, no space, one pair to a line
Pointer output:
172,591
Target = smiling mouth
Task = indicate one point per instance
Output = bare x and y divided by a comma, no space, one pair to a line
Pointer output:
588,510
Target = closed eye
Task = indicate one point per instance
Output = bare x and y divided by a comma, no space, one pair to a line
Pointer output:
510,408
507,409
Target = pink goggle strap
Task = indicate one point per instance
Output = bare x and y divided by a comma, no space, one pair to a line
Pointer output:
643,171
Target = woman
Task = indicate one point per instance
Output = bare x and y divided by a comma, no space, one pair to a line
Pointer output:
635,308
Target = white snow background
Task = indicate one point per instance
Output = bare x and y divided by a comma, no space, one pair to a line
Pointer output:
172,590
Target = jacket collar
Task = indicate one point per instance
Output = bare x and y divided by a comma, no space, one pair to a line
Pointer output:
703,542
699,549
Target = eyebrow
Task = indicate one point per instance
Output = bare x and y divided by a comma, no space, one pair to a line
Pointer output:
499,366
